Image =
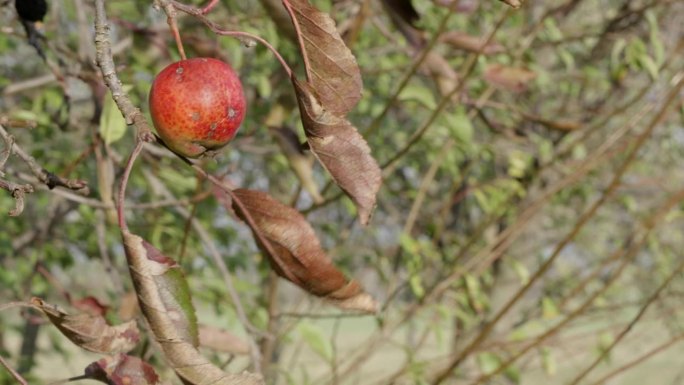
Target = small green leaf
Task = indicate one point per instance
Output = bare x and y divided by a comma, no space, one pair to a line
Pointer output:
548,361
649,65
521,271
512,373
112,123
420,94
314,337
549,308
488,362
461,127
416,286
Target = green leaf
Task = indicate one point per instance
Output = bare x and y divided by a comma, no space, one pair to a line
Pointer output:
461,127
548,361
512,373
420,94
616,53
649,65
488,362
112,123
316,340
521,271
416,286
549,308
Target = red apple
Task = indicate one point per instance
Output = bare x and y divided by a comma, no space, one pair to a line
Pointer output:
197,105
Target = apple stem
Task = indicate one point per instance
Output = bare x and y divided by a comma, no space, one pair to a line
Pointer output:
124,183
300,39
170,11
207,8
197,12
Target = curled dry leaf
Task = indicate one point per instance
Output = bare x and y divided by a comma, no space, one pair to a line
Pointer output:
441,71
122,370
91,332
299,256
164,299
335,75
511,78
470,43
341,150
558,125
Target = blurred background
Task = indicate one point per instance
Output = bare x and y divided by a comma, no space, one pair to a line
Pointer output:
528,231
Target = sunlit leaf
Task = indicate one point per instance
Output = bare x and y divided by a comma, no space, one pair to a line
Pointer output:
164,298
315,338
112,123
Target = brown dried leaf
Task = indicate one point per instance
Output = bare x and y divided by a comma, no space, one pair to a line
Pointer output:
470,43
90,305
222,340
558,125
91,332
341,150
299,256
335,75
441,71
122,370
513,3
514,79
164,298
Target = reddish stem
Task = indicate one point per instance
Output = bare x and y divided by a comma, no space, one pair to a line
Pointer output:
300,39
207,8
239,34
170,10
124,184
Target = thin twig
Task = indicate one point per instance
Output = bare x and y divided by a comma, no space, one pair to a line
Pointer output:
13,372
171,15
103,55
46,177
584,218
604,352
18,192
648,355
10,305
626,256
